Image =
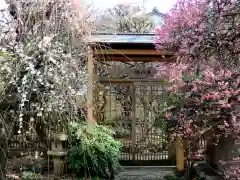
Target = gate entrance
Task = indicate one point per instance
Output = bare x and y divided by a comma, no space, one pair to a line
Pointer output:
130,100
132,108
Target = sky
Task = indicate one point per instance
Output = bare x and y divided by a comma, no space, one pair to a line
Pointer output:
162,5
2,4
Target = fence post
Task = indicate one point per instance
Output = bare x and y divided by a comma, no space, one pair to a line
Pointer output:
179,153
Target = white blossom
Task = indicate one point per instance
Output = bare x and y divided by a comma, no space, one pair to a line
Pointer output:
39,114
61,75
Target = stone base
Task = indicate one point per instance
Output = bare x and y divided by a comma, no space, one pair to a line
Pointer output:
59,162
59,166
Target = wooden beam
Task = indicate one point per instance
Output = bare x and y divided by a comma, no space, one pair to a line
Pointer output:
139,59
130,52
90,117
118,81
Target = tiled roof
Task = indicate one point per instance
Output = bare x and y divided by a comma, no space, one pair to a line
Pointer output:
121,38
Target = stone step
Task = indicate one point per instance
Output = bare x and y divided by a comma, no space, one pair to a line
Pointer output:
204,171
143,174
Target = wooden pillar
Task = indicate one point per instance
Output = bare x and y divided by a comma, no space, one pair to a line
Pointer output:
90,116
179,154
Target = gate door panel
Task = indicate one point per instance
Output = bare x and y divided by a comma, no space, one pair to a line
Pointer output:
132,108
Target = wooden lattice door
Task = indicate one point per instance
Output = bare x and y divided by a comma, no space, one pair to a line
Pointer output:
133,106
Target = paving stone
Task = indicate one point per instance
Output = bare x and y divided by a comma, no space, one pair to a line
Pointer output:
143,174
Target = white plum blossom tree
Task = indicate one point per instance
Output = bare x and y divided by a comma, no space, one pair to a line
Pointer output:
42,65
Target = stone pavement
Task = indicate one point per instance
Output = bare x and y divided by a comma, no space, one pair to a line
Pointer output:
129,173
144,173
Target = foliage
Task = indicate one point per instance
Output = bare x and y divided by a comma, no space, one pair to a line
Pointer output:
174,176
205,36
43,63
170,102
124,18
42,66
94,152
29,176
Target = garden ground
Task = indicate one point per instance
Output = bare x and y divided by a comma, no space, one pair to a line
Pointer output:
129,173
144,173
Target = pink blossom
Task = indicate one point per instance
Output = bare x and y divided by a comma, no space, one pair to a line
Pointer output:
226,105
172,88
195,88
209,75
168,115
210,97
186,31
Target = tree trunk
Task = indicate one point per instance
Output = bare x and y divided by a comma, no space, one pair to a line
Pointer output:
41,132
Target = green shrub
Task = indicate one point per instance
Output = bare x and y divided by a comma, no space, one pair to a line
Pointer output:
93,152
29,176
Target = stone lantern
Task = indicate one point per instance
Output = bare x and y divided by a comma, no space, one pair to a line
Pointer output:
59,150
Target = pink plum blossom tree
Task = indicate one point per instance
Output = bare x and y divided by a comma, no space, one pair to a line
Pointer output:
205,35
